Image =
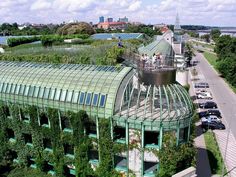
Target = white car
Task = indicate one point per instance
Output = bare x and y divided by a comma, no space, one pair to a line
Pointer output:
204,95
211,118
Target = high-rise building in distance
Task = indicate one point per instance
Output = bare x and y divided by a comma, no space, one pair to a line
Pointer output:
101,19
109,19
125,19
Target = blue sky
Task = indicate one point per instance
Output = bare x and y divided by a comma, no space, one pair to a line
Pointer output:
205,12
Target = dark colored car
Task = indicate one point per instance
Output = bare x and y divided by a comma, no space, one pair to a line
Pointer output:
213,125
201,85
202,114
208,105
214,112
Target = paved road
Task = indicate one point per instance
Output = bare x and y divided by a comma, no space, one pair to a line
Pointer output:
222,94
226,100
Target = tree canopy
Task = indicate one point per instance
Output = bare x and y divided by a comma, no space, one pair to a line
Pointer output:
215,34
76,28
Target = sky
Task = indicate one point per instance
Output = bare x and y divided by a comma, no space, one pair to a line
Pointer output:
196,12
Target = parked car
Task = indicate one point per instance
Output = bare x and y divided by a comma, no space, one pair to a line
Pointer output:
210,118
208,105
213,125
204,95
202,114
215,112
201,85
200,91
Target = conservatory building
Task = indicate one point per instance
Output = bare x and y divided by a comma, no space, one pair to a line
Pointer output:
141,104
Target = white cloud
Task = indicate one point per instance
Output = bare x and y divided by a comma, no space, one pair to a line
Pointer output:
135,6
40,5
208,12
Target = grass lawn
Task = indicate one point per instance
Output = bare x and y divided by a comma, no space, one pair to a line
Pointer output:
214,155
211,58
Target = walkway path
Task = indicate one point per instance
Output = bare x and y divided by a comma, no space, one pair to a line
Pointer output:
226,101
203,165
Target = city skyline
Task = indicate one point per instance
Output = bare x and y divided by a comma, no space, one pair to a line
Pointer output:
195,12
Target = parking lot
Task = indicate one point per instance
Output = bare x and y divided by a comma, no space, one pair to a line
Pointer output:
226,103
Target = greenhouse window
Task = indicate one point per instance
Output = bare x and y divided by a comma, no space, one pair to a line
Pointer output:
81,98
1,85
8,88
52,93
46,93
69,96
17,89
31,91
22,87
88,99
63,95
95,99
75,97
13,86
41,90
57,94
26,91
102,100
36,91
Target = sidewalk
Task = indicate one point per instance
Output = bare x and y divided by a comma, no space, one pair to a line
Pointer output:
230,161
203,166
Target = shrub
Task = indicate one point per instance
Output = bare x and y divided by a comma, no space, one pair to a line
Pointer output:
21,40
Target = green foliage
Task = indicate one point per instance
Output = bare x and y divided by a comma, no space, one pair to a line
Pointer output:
21,40
82,143
175,158
206,37
225,46
215,34
214,154
189,53
106,150
193,34
76,28
27,172
12,29
226,62
146,29
79,139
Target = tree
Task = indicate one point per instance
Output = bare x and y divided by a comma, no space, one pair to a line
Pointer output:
215,34
206,37
188,53
175,158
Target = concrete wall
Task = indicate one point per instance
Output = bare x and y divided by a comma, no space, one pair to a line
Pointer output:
189,172
182,77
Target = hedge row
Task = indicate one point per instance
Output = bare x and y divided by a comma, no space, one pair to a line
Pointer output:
21,40
47,40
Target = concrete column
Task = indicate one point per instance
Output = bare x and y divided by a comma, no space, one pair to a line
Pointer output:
177,135
142,149
127,143
160,137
